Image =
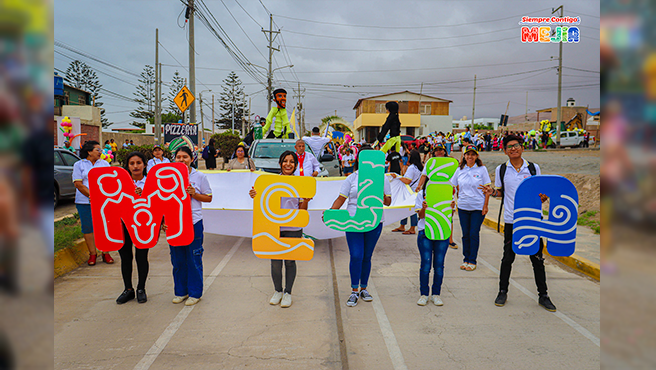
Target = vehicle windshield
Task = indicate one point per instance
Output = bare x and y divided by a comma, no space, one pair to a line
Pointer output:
274,149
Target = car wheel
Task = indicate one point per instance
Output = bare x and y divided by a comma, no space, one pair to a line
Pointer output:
56,197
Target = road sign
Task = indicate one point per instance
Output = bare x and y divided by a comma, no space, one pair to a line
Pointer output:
184,99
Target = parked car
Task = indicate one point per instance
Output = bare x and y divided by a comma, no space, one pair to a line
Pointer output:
571,138
63,174
266,152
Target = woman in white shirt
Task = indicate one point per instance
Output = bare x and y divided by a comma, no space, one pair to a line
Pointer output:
411,178
361,244
90,154
187,260
136,166
288,162
469,179
347,161
158,154
432,254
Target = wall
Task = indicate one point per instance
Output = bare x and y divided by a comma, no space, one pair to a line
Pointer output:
138,139
434,123
372,119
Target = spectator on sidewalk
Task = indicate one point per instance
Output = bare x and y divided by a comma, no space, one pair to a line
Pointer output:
90,154
432,253
158,157
241,161
126,144
515,170
187,260
468,179
210,161
288,162
136,166
361,244
411,178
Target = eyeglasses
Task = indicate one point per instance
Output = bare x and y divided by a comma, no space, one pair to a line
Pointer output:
514,146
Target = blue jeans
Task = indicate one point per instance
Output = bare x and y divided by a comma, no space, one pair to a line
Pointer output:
448,148
432,252
361,247
187,264
471,222
413,220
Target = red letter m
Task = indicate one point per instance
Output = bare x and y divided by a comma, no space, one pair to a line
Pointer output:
530,34
113,200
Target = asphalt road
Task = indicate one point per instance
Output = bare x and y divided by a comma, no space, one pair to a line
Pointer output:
234,327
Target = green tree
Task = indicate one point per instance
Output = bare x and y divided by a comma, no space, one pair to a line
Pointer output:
81,76
166,118
232,103
177,84
145,97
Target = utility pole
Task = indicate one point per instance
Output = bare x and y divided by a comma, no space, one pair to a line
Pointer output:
299,109
159,106
201,137
158,117
526,116
192,62
560,80
233,108
474,104
213,125
270,35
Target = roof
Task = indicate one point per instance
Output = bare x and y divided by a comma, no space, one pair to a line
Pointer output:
76,88
400,92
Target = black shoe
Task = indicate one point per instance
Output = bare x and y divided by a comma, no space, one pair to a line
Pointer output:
501,298
545,302
127,295
141,296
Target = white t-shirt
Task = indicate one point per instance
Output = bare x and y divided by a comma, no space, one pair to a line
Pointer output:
413,174
81,170
199,181
346,159
316,143
350,190
310,165
140,183
289,203
511,180
419,202
155,161
470,197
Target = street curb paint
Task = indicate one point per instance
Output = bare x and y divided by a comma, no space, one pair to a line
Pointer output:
578,263
68,259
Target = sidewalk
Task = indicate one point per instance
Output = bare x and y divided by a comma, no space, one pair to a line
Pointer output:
586,257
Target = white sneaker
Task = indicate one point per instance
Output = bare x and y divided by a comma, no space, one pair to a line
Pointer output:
464,266
422,300
437,300
277,296
192,301
286,300
179,299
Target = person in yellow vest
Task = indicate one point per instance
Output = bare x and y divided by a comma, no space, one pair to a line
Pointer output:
281,128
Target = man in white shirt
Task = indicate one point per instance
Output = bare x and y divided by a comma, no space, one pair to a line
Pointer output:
516,170
307,163
316,142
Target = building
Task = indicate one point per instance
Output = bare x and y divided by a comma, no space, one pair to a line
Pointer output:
73,102
419,114
71,96
567,113
490,123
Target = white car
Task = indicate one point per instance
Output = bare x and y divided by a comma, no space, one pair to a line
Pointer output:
571,138
266,152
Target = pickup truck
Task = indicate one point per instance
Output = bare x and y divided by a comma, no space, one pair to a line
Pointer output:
573,139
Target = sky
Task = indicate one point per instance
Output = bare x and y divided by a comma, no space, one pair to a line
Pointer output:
341,51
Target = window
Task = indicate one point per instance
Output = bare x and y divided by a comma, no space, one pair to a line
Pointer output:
380,108
69,158
81,100
456,125
58,160
425,109
410,131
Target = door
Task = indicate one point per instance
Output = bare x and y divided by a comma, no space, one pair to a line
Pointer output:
565,139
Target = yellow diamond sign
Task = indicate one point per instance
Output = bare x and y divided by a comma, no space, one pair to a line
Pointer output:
184,99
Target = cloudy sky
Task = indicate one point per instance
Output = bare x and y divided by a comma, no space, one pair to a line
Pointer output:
341,51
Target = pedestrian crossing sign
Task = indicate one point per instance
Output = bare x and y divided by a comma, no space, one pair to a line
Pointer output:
184,99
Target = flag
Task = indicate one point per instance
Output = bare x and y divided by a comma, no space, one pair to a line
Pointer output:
292,123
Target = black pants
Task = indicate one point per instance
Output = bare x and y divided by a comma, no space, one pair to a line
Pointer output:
509,257
126,263
290,267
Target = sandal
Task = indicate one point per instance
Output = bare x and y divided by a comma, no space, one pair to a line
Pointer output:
453,245
470,267
92,259
464,266
408,232
398,230
107,258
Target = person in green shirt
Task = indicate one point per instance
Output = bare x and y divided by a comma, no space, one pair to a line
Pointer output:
281,127
68,146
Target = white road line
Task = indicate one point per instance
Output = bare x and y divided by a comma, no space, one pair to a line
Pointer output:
390,340
566,319
157,348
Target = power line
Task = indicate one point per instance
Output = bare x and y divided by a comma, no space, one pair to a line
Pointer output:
582,70
242,30
247,13
89,56
394,50
97,69
403,39
405,27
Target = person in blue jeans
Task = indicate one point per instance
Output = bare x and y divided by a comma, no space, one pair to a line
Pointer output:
187,260
432,253
361,244
469,179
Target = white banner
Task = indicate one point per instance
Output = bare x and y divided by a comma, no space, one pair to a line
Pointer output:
231,210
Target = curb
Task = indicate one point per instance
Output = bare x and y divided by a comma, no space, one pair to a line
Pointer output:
578,263
68,259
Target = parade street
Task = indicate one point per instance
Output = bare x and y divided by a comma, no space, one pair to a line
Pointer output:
234,327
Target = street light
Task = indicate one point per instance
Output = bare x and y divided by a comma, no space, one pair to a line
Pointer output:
202,120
